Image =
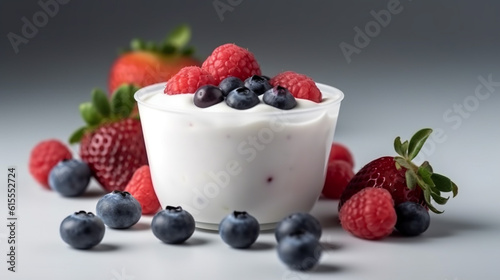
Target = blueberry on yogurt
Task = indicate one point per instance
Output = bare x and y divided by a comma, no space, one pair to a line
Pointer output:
230,83
242,98
257,84
280,98
207,95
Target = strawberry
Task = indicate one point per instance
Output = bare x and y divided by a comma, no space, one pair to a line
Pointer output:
369,214
402,178
147,63
111,143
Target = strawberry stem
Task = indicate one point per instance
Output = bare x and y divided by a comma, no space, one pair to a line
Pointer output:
432,184
102,110
176,43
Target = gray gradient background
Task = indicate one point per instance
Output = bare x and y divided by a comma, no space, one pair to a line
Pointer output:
424,62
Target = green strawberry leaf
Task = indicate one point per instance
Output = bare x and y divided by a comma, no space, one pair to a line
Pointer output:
122,101
137,44
425,174
442,183
77,135
402,162
90,114
438,199
411,179
151,46
427,166
167,49
179,36
398,146
100,102
454,189
417,141
427,197
188,51
404,148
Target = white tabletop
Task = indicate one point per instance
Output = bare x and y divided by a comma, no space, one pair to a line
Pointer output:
462,243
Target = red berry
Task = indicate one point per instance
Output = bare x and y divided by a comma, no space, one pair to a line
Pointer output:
188,80
341,152
338,175
382,173
231,60
44,156
141,188
114,151
301,86
369,214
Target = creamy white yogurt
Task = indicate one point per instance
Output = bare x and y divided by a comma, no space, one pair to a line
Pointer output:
263,160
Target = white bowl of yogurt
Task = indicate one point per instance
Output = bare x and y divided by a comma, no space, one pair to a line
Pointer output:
215,160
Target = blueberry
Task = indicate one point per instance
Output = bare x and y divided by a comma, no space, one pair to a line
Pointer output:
230,83
412,218
265,77
82,230
257,84
70,177
239,229
173,225
280,98
207,95
300,250
242,98
296,222
119,210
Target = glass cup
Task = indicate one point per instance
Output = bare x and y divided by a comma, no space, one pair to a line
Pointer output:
269,163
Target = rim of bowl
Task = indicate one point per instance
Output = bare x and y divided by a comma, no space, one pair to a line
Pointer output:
334,93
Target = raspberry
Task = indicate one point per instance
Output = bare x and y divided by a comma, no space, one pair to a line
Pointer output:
188,80
44,156
231,60
301,86
341,152
140,187
338,175
369,214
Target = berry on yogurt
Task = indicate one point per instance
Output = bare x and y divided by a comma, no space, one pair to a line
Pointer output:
207,95
230,83
280,98
257,84
242,98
